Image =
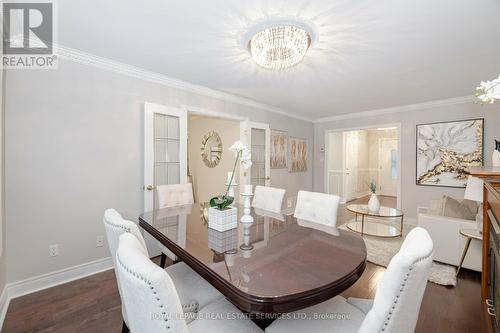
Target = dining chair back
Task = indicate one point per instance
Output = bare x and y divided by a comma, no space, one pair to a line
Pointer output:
174,195
399,293
170,196
268,198
149,295
115,226
317,207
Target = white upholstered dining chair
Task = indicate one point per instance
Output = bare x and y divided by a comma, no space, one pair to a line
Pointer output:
395,307
317,208
193,290
170,196
174,195
268,198
152,302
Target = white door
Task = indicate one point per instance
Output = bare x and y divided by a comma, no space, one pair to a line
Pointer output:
388,166
350,164
165,154
258,139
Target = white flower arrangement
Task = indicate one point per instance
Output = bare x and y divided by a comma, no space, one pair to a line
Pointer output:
488,91
242,154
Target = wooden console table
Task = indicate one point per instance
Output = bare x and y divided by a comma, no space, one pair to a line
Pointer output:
490,279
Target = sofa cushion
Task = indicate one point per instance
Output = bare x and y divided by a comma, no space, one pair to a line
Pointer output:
465,210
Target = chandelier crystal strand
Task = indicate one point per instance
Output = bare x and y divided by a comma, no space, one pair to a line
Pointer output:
279,47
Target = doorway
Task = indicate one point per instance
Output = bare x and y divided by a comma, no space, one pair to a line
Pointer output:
357,157
209,159
166,150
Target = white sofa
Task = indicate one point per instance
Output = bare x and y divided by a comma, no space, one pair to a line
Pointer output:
448,242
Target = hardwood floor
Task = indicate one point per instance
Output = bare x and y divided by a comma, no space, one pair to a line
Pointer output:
92,304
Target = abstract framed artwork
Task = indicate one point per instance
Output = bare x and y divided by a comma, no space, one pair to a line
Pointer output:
279,147
298,155
446,150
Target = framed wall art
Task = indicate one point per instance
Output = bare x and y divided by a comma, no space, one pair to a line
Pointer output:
279,147
298,155
446,150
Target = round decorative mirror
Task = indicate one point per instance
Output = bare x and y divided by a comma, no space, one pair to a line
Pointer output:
211,149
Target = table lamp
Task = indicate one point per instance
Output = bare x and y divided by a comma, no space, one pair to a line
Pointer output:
474,191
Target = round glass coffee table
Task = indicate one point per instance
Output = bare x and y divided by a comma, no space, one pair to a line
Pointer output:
373,227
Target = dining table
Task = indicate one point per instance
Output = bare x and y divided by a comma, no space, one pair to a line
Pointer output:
275,265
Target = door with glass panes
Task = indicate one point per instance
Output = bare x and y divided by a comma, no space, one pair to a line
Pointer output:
165,155
258,136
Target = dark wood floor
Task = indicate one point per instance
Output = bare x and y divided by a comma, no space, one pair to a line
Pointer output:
92,304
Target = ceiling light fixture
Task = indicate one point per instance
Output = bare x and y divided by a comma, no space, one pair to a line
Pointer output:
280,43
279,47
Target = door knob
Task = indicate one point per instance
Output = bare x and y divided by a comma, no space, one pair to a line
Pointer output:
150,187
268,178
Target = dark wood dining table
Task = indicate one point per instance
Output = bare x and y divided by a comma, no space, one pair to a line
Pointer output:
287,265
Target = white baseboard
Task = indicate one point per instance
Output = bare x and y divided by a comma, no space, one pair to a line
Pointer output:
37,283
4,305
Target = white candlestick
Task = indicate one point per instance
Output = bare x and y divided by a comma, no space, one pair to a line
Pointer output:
247,216
248,189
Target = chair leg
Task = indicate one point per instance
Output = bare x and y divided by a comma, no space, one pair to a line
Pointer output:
125,328
163,260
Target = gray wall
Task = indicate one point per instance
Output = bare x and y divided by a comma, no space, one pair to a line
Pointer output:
3,261
74,147
413,196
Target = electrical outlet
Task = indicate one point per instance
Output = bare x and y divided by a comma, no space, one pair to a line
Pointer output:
53,250
289,202
99,241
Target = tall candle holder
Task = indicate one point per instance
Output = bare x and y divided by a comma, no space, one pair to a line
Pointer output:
246,219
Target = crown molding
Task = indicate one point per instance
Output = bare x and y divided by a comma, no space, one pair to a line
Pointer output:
142,74
398,109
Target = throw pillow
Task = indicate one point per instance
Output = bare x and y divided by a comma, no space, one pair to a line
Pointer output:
456,209
472,205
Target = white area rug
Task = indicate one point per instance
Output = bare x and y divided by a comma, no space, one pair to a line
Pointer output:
381,250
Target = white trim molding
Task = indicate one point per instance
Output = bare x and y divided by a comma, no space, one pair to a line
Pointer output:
37,283
89,59
212,113
4,305
398,109
139,73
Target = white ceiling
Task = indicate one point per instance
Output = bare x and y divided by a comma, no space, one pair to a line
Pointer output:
369,55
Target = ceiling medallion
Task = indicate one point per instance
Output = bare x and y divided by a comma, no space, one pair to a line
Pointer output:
279,44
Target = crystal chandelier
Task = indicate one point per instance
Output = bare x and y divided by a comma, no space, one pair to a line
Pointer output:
279,47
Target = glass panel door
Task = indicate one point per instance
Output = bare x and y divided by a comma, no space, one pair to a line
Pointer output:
258,139
166,155
258,169
165,149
